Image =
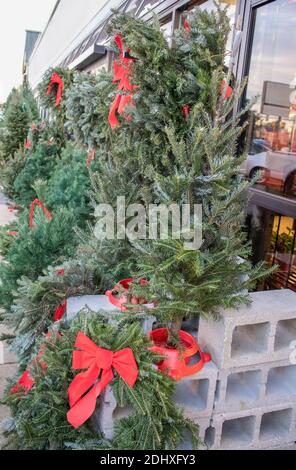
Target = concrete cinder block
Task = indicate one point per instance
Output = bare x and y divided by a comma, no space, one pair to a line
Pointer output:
96,303
241,388
203,424
290,446
258,428
195,393
107,412
256,333
90,302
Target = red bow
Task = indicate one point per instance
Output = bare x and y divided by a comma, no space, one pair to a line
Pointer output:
122,72
60,272
84,389
36,202
187,26
25,382
225,89
56,79
12,233
186,110
28,144
60,311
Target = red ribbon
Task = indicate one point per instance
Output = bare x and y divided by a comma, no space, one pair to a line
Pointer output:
60,311
12,233
84,389
186,110
187,26
60,272
122,72
228,91
35,203
56,79
26,382
28,144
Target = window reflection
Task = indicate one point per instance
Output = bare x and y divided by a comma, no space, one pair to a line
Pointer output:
210,5
282,251
272,78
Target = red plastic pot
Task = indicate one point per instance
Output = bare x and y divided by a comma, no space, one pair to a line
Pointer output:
122,299
176,362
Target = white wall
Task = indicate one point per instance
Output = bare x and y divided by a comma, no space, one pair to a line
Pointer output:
71,23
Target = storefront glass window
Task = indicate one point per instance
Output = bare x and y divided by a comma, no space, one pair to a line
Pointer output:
272,79
209,5
282,252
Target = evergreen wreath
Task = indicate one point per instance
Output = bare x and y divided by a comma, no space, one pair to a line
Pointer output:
48,100
39,417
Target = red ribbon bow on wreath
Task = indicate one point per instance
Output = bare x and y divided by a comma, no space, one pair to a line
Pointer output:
84,389
56,80
36,202
122,72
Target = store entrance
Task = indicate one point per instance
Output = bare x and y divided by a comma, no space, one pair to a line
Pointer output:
271,138
274,240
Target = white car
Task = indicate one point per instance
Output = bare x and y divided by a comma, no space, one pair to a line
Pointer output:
277,169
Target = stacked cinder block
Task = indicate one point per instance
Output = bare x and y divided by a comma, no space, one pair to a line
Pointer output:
97,303
255,398
196,393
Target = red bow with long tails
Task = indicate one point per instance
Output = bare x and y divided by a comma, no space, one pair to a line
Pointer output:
36,202
84,389
122,72
56,80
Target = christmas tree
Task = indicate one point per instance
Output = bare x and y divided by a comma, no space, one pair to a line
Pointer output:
32,249
167,154
19,111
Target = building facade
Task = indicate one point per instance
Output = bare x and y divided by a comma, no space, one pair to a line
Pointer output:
76,37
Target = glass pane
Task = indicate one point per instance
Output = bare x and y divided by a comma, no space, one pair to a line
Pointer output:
272,78
281,252
209,5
